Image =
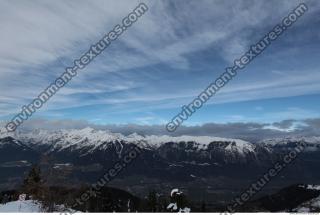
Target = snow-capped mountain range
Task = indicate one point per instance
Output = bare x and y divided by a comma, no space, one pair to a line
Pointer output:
88,153
97,139
206,148
91,137
89,141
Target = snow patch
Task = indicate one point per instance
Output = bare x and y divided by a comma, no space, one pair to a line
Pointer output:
313,187
27,206
172,206
185,210
312,205
174,191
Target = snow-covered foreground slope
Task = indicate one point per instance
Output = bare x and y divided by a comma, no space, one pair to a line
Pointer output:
27,206
309,206
312,205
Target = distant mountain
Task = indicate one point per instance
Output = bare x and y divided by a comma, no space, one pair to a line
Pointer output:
182,149
209,163
312,143
97,139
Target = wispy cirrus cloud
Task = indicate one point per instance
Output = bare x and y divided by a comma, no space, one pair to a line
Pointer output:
163,61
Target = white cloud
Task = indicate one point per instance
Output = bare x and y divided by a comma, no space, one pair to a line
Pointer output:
37,37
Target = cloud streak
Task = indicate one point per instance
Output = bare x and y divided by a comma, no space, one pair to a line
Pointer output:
162,62
247,131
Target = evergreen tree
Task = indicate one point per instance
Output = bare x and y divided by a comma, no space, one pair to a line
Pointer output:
178,201
152,201
32,183
162,205
203,207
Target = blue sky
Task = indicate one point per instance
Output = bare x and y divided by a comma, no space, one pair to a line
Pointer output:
161,63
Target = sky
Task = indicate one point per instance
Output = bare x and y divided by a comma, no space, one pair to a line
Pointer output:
160,63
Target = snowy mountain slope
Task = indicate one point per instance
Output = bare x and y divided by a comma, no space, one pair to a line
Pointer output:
313,187
313,141
94,139
89,147
180,149
85,154
312,205
98,139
